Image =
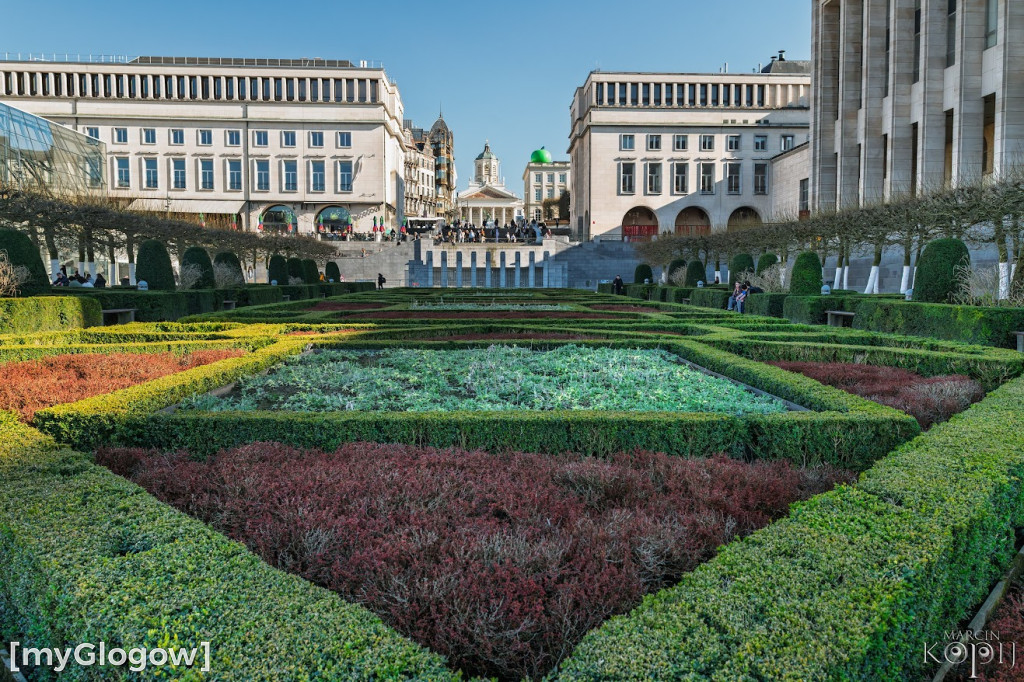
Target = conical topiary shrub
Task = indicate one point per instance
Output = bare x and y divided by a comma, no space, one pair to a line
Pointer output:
766,261
937,278
740,263
331,271
310,272
675,266
153,266
196,256
21,252
230,260
695,272
805,279
643,272
277,269
294,269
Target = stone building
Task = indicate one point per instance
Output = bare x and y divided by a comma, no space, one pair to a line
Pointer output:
419,188
543,179
486,199
442,144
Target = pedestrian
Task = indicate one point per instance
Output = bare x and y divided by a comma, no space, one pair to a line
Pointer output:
380,281
617,285
101,281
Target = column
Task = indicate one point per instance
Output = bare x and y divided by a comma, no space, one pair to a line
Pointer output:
430,268
472,269
487,269
531,270
458,269
444,269
501,270
546,275
518,282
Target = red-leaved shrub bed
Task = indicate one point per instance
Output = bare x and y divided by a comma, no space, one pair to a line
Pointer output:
26,387
500,562
1004,633
929,400
331,305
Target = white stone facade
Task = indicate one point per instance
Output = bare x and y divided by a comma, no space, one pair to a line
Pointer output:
544,181
655,153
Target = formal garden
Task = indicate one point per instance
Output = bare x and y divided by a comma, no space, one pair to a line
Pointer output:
509,484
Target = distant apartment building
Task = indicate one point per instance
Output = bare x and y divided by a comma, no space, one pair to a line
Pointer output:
442,144
293,145
419,188
543,180
913,95
681,153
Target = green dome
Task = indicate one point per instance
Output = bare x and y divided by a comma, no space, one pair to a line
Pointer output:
540,156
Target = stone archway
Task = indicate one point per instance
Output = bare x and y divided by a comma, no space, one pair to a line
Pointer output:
743,218
639,225
693,221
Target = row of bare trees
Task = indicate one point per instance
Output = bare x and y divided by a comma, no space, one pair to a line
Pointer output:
100,228
982,214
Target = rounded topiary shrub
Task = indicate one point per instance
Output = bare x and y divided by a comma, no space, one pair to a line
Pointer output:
229,259
310,272
331,271
197,257
675,266
153,266
805,280
695,272
21,252
740,263
937,272
294,269
766,261
643,272
277,269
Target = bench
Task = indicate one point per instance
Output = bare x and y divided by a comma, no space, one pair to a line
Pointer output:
685,300
118,316
229,305
839,318
286,297
1020,341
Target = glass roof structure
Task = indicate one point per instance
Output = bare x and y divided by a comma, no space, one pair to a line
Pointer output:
37,154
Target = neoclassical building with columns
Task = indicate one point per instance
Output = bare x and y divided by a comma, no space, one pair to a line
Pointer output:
487,199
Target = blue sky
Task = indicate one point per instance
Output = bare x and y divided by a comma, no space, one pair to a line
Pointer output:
502,71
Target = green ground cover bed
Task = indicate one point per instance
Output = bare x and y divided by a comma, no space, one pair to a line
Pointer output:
421,305
496,378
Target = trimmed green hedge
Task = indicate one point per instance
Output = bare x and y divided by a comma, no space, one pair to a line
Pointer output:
229,259
854,584
643,272
811,309
48,313
198,256
805,280
770,305
970,324
766,261
310,271
277,270
647,292
87,556
153,266
710,298
332,272
22,252
936,278
740,263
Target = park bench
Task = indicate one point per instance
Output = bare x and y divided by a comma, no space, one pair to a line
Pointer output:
1020,341
839,318
229,305
286,297
118,316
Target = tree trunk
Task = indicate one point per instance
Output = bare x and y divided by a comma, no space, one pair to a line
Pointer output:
999,231
837,282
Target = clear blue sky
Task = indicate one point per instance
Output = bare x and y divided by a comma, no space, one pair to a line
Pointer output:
502,71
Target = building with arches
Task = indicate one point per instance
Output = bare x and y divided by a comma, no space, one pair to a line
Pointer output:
656,153
487,199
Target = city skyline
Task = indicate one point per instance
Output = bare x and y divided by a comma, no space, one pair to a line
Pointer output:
514,89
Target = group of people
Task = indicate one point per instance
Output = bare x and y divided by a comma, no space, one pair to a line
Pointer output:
77,280
740,291
460,232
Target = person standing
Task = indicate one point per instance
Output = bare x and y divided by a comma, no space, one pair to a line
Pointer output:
380,281
617,286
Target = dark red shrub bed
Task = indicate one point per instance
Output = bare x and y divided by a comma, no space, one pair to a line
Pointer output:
26,387
1005,634
330,305
500,562
929,400
477,315
624,308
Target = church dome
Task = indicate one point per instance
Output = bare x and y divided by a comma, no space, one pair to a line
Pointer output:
486,153
542,155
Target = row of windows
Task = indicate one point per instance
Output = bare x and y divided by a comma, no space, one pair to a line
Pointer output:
681,143
232,138
538,178
681,94
991,34
538,194
680,171
242,88
288,174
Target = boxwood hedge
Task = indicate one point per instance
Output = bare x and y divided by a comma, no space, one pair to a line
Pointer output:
47,313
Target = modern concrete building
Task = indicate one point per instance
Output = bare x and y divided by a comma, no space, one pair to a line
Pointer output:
681,153
272,144
487,199
913,95
543,179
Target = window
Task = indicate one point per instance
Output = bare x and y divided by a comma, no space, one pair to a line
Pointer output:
206,173
93,132
235,174
178,173
291,175
787,142
177,136
732,143
538,178
950,32
551,192
680,181
707,178
707,143
732,177
149,136
121,135
991,23
288,138
316,138
562,178
124,175
760,178
654,178
626,142
260,138
152,180
234,138
345,139
94,171
627,177
316,176
262,175
760,143
653,143
344,176
205,138
551,178
805,195
917,40
537,194
680,142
